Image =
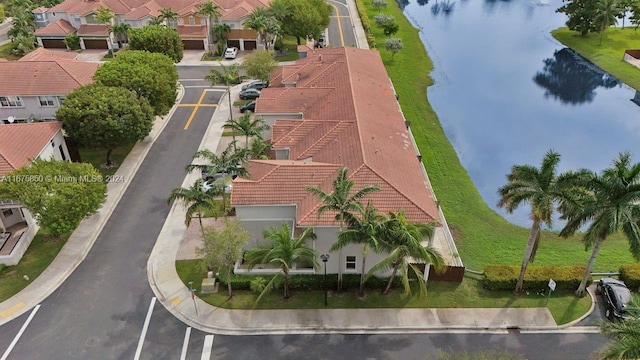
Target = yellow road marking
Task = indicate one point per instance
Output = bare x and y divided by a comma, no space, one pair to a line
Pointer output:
176,300
12,310
211,105
339,16
339,25
195,109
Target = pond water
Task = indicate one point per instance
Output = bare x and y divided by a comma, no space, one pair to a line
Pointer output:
506,92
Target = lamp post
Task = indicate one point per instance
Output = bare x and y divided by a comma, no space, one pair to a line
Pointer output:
325,258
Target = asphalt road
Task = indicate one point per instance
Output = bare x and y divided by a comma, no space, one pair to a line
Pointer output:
340,30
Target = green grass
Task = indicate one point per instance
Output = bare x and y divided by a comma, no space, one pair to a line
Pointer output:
290,51
482,236
6,53
39,255
469,294
208,57
607,55
98,157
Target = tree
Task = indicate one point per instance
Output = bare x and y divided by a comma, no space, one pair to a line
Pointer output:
365,230
379,4
403,239
221,32
581,15
607,12
61,194
168,16
381,19
149,75
155,20
280,10
223,248
625,6
390,28
393,45
625,335
72,41
121,31
2,14
105,117
195,200
247,127
259,64
21,31
285,251
542,188
158,39
227,76
341,201
210,11
259,149
306,19
611,204
104,15
265,24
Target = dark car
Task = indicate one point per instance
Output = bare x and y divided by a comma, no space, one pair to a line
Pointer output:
249,94
616,297
250,106
258,85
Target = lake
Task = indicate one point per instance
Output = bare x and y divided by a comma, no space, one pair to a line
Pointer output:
506,92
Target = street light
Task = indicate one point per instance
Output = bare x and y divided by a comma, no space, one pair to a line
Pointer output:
325,258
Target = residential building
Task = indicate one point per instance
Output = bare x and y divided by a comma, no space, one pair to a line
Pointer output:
19,143
34,87
335,108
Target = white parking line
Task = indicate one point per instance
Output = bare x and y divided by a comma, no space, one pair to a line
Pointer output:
185,344
22,329
206,349
145,327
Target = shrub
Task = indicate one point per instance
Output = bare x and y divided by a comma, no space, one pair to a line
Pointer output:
366,24
630,274
257,284
311,282
72,41
504,277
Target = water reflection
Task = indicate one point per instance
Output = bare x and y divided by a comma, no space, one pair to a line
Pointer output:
571,79
402,4
423,2
445,7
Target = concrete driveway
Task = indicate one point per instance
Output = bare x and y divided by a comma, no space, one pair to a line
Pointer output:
92,55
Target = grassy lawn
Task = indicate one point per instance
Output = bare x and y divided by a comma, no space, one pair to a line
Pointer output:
208,57
607,55
482,236
98,157
468,294
5,52
290,52
40,254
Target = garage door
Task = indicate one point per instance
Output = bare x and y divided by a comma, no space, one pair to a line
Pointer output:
233,43
193,44
249,44
95,44
53,44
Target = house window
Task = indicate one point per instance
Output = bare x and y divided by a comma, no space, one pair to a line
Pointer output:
46,101
350,263
53,144
10,101
192,20
64,158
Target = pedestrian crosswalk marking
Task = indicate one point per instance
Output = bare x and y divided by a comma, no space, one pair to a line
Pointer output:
206,349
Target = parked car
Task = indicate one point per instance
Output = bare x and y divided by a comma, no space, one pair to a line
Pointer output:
258,85
249,94
231,52
616,297
250,106
321,42
210,184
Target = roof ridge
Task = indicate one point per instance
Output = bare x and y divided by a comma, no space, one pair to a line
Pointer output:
7,160
300,219
67,71
295,127
324,71
338,124
355,108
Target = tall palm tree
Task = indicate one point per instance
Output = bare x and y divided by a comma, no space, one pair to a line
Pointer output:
280,10
221,33
210,11
606,15
264,23
625,335
611,204
168,16
285,251
403,239
155,20
247,127
542,188
342,200
365,230
195,200
121,32
259,149
227,76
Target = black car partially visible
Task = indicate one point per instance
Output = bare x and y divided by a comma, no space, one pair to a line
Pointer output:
250,106
616,297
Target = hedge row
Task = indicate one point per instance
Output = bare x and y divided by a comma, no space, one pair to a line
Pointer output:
314,282
366,23
504,277
630,274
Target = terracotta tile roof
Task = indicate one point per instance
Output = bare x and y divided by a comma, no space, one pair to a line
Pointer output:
19,143
42,54
52,77
93,30
192,30
39,10
149,9
352,119
58,28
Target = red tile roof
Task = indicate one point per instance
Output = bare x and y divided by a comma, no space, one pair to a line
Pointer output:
192,31
42,54
58,28
20,143
93,30
39,10
352,119
52,77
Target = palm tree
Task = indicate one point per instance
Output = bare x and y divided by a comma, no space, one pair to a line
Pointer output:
542,188
606,15
121,32
211,11
221,32
247,127
155,21
280,10
625,335
611,204
168,16
365,230
285,251
341,201
403,239
195,200
229,75
264,23
259,149
104,15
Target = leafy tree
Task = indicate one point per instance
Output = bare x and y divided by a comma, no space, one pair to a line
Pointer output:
105,117
149,75
365,230
403,239
542,188
104,15
265,24
342,201
16,7
611,204
23,44
581,15
379,4
247,127
2,14
625,7
306,19
259,149
72,41
393,45
381,19
280,10
227,76
260,64
390,28
223,248
158,39
155,20
61,194
607,12
168,16
221,32
625,335
285,251
212,12
21,31
195,200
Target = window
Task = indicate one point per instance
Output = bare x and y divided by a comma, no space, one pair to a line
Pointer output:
192,20
10,101
64,158
46,101
53,144
351,263
61,98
